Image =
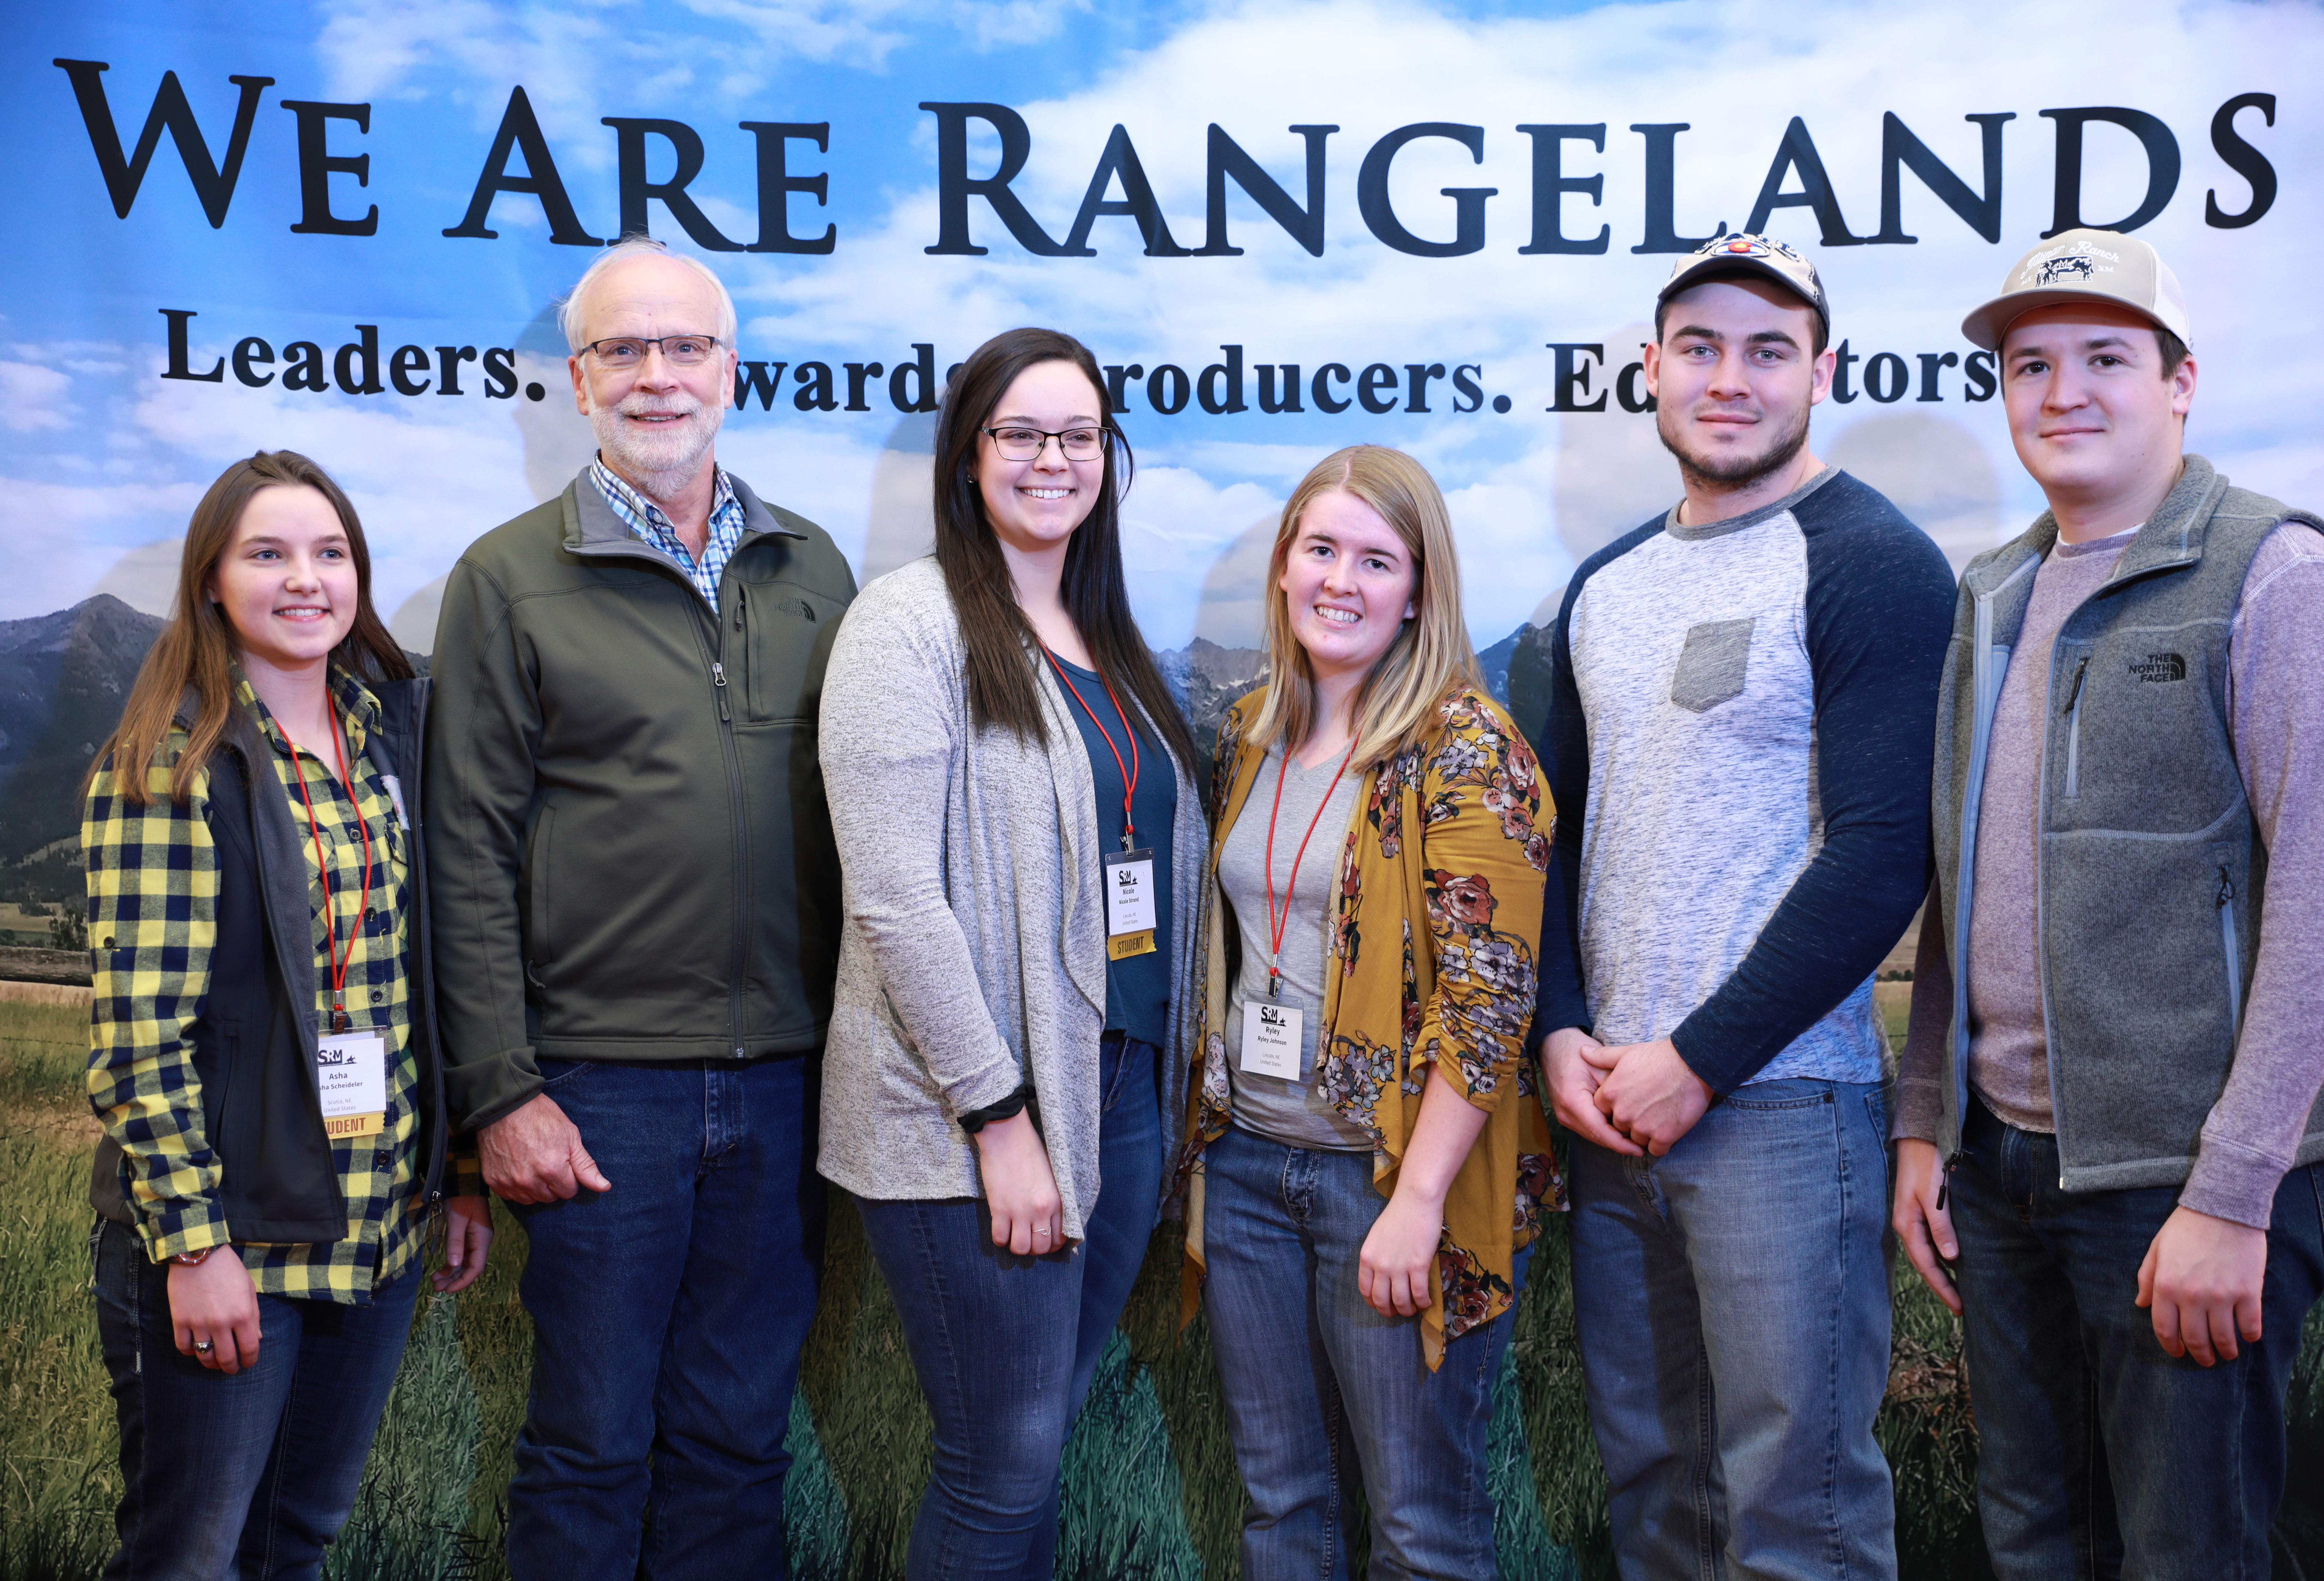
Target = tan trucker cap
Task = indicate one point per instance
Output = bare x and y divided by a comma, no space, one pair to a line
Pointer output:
2083,266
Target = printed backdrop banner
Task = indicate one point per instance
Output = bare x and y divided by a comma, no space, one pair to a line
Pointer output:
341,227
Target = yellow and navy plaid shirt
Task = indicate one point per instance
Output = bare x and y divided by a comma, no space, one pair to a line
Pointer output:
152,887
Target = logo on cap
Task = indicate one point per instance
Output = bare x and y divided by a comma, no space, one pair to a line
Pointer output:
2078,267
1743,245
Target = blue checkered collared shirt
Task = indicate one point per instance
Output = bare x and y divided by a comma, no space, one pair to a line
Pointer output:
645,519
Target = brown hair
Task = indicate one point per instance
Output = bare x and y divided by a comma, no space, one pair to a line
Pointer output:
2173,350
1004,688
198,647
1396,706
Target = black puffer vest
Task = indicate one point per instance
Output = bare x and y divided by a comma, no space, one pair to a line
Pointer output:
254,1039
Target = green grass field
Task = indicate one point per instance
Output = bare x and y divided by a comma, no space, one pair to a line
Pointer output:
1150,1488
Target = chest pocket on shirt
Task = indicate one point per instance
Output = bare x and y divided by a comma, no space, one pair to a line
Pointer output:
1712,665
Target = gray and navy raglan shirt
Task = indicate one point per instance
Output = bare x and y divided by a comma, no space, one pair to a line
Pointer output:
1739,738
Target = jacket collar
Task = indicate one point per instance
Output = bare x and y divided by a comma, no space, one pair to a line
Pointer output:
2172,537
592,528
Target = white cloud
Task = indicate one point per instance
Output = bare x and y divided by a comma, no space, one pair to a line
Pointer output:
33,398
575,61
427,479
1736,73
63,539
1184,556
1530,491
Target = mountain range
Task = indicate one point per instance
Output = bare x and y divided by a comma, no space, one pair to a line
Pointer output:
64,678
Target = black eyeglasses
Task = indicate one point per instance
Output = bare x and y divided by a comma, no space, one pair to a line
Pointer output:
1025,444
625,352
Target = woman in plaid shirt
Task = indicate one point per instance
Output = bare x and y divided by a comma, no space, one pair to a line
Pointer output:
260,1054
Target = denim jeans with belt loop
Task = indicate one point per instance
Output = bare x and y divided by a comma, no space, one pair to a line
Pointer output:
1005,1346
668,1315
2098,1454
247,1474
1322,1390
1731,1298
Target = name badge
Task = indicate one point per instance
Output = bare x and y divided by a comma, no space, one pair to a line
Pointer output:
1271,1039
350,1072
1129,904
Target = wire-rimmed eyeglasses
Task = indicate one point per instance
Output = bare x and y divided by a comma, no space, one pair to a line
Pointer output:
624,352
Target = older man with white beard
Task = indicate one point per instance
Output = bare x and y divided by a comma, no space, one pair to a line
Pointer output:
636,927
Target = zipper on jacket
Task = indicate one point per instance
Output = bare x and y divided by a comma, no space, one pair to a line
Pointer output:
739,961
2225,903
742,635
2073,712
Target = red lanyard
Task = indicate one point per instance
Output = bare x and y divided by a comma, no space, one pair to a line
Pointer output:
1129,772
339,964
1276,925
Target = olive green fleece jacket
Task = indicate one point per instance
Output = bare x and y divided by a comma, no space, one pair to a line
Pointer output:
629,853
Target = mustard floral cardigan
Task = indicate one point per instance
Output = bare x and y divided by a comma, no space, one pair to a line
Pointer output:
1435,922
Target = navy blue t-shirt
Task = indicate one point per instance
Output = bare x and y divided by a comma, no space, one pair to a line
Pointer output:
1137,988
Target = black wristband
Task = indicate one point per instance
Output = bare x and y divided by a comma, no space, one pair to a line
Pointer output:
1008,1108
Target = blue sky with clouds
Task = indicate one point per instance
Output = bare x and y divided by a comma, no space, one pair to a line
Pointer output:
102,460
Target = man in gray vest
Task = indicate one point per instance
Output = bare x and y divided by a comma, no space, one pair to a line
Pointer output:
2108,1126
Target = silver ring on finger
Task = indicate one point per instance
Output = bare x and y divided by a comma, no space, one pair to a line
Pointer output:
203,1347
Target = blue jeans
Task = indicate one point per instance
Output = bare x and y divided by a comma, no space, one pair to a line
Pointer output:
1731,1299
668,1315
2099,1455
1319,1385
251,1474
1004,1346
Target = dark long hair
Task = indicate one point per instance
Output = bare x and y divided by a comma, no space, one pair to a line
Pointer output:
1003,686
198,647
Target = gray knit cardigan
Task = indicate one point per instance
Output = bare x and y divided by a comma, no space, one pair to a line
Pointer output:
973,951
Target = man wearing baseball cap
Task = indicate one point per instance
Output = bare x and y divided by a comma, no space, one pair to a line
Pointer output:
2108,1128
1742,697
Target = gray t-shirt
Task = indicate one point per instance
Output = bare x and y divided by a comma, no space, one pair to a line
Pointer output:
1289,1112
1696,660
2009,1050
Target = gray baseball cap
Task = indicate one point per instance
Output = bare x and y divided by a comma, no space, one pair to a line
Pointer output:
2084,266
1742,253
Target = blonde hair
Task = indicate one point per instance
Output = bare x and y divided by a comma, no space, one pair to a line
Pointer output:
1396,707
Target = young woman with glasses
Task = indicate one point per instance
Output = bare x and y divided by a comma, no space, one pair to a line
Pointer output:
1008,784
1367,1149
275,1146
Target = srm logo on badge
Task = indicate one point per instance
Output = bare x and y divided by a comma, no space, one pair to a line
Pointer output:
2160,667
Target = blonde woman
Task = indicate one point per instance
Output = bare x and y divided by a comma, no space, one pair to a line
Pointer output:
1367,1149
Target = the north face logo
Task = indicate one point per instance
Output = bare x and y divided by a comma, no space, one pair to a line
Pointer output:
2160,667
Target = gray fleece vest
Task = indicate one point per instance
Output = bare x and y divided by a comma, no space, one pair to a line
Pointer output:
2149,870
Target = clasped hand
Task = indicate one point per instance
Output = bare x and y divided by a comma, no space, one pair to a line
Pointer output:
1635,1099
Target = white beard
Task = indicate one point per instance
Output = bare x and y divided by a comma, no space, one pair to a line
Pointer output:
673,451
